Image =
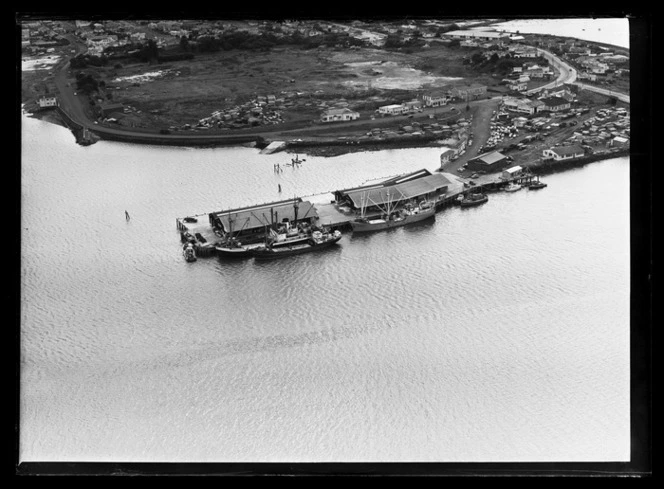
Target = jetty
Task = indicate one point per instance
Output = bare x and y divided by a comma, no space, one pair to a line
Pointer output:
336,209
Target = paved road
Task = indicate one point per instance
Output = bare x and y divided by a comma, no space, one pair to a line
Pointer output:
568,75
620,96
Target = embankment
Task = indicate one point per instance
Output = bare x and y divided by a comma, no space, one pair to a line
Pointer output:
551,166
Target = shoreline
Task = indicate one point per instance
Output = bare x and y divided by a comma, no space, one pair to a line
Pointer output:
336,148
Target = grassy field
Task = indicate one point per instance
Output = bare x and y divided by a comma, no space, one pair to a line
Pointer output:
306,82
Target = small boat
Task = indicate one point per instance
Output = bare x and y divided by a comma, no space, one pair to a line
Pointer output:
512,187
232,248
317,241
189,252
536,185
473,199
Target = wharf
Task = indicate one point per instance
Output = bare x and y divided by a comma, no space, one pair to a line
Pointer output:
334,216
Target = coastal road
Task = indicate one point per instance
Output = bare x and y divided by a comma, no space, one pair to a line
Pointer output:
568,75
620,96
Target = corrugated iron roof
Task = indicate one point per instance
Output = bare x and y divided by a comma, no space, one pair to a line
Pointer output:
258,216
404,191
490,158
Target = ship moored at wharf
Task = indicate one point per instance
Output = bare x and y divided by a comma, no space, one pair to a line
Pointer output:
393,215
315,241
240,232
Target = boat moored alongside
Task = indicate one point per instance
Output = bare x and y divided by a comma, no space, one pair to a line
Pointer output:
472,199
316,241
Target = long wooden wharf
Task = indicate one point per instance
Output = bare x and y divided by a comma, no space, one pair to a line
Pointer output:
198,229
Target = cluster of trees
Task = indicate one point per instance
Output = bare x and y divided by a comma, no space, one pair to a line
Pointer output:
83,60
86,83
496,64
248,41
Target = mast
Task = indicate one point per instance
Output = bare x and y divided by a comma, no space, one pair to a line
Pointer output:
296,205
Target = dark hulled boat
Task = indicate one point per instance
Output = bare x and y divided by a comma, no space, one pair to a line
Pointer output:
536,185
473,199
316,241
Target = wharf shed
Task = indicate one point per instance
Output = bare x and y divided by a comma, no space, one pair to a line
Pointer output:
489,162
341,194
429,187
249,223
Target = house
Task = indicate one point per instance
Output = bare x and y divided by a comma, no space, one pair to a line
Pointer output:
412,106
435,99
394,109
523,105
446,157
619,141
489,162
108,109
584,75
563,153
555,104
48,102
471,92
518,86
343,114
512,172
561,91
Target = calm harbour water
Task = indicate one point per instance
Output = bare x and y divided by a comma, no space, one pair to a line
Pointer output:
499,333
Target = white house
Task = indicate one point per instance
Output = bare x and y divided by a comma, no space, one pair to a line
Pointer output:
619,141
47,102
393,109
518,86
523,105
344,114
563,153
515,171
435,99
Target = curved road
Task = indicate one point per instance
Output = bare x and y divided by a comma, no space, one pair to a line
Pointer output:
73,105
568,75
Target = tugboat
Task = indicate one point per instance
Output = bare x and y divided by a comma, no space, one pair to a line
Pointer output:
472,199
536,185
189,252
